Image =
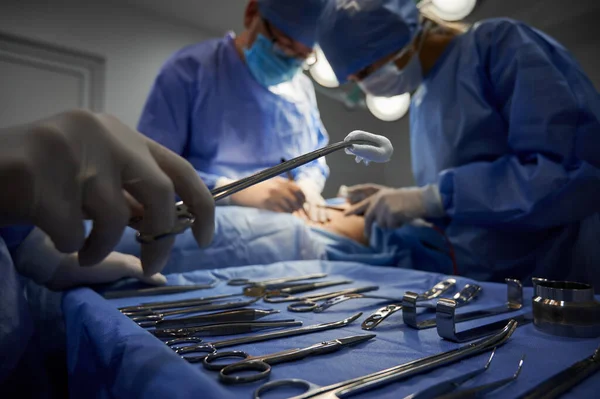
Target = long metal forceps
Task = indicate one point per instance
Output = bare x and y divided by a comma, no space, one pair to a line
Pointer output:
309,303
563,381
260,291
383,313
212,347
185,219
385,377
449,389
237,282
261,365
410,303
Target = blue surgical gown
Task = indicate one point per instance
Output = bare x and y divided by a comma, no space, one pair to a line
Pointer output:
206,106
22,361
508,125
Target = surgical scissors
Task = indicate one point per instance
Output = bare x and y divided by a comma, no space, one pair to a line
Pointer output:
449,389
308,303
434,292
185,219
381,378
212,347
262,364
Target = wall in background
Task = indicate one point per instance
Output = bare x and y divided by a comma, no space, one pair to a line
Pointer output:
134,43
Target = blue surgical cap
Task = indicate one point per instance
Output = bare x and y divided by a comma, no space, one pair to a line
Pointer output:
296,18
354,34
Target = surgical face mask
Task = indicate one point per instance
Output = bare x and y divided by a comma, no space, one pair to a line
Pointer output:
389,81
268,66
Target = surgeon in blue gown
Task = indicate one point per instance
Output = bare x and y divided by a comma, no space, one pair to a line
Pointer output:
505,137
239,104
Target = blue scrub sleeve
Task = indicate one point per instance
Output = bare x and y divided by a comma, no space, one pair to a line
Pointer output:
540,183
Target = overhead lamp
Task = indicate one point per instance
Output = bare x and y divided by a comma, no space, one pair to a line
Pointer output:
453,10
388,109
322,72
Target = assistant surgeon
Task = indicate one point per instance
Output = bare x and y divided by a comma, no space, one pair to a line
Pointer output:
505,136
236,105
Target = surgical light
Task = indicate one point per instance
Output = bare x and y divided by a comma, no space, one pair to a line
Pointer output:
322,72
453,10
388,109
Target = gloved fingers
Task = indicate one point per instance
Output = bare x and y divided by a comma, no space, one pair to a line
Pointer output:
62,222
136,211
370,218
299,195
316,213
360,192
359,208
114,267
106,205
147,183
190,188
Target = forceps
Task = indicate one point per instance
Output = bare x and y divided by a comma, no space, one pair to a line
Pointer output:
308,303
166,290
151,315
262,291
212,347
185,219
244,281
384,377
237,315
231,328
449,389
262,364
434,292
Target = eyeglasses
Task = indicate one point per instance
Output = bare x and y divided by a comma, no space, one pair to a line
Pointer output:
285,47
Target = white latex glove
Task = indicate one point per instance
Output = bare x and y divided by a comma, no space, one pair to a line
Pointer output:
78,163
38,259
314,203
276,194
391,208
360,192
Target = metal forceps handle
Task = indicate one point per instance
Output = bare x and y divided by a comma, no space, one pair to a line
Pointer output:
229,189
309,305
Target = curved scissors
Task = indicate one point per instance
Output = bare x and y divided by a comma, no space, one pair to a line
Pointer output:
261,365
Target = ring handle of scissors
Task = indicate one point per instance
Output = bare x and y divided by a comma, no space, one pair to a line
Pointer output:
209,360
263,370
205,348
302,306
237,282
174,343
292,382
